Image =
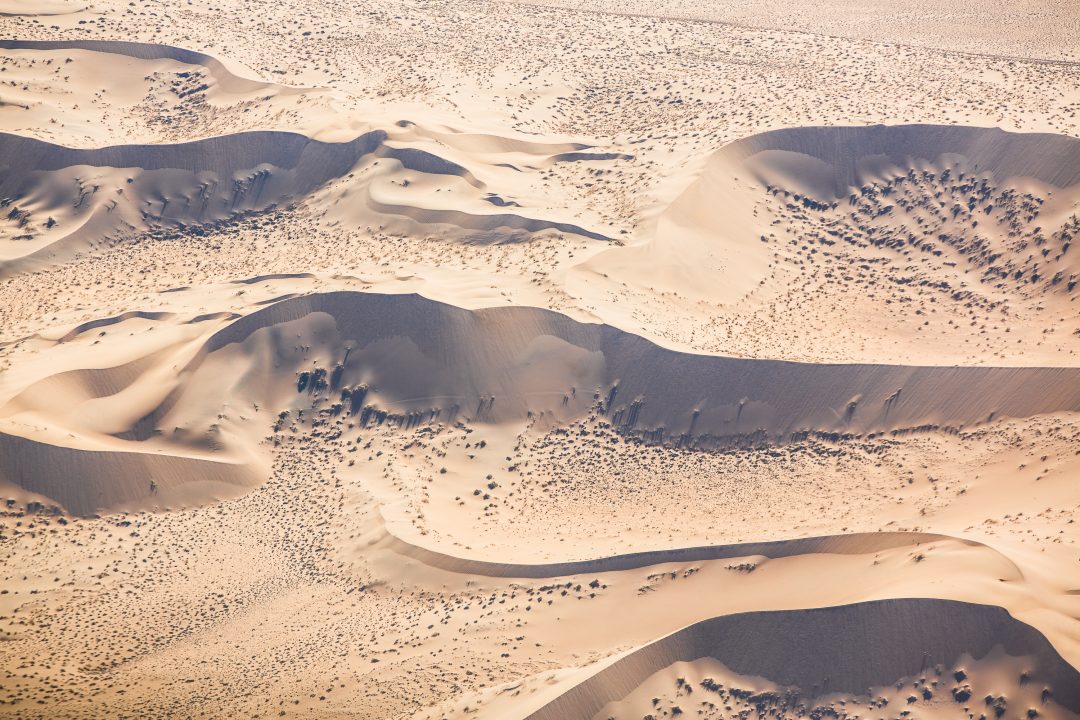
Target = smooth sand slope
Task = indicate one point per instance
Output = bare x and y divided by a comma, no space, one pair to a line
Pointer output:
842,650
90,195
434,361
901,229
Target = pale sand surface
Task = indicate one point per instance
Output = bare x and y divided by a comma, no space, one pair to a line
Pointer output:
614,359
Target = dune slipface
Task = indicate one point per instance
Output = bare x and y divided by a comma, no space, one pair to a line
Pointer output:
421,358
853,544
102,195
848,650
95,194
540,359
85,481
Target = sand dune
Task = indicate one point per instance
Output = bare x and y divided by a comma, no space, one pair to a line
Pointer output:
118,476
825,172
108,92
899,223
856,543
847,649
402,358
859,155
74,199
502,363
1038,29
514,359
226,78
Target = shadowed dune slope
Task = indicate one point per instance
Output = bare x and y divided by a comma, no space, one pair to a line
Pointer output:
407,360
850,544
483,227
60,200
437,361
844,649
85,481
312,160
950,214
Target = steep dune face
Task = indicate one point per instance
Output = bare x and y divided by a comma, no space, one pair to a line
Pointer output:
475,187
417,361
300,155
59,200
104,93
76,439
849,157
849,650
418,358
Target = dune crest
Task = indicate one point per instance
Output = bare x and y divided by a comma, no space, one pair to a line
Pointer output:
73,199
504,363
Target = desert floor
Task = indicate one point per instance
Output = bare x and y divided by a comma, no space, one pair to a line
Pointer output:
602,359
